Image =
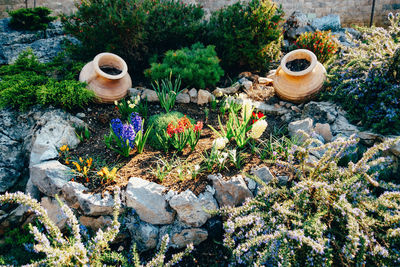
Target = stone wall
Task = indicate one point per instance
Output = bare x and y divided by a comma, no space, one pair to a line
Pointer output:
350,11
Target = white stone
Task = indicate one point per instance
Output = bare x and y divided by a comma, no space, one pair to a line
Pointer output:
324,129
191,209
54,211
203,97
247,85
54,134
264,174
232,192
147,199
151,95
305,125
183,98
265,80
342,126
218,92
91,204
193,95
96,223
50,176
188,236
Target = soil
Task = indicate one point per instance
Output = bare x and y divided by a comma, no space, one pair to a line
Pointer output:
98,118
298,64
111,70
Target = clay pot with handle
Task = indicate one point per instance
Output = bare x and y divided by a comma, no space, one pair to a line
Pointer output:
299,86
107,87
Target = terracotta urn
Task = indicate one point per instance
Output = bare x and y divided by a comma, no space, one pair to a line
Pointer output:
299,86
107,75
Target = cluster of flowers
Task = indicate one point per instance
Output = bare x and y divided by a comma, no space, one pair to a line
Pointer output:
282,226
126,132
322,44
183,132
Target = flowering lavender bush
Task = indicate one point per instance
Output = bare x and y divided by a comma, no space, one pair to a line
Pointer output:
61,250
365,82
331,216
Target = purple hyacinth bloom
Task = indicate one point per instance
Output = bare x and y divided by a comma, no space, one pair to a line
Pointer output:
136,121
128,134
116,126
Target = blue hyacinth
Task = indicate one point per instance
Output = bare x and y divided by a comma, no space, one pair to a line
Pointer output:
136,121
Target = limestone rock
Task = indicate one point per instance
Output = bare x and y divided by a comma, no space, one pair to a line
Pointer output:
228,90
145,235
57,130
45,47
190,209
91,204
395,149
264,174
342,126
151,95
183,98
193,95
369,138
327,23
203,97
265,80
324,129
322,112
50,177
147,199
181,236
101,222
305,125
54,211
232,192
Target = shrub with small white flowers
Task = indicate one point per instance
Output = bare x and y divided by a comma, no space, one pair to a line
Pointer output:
61,250
329,216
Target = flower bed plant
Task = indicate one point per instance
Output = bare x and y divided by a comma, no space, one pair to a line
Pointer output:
363,76
27,83
331,215
31,19
197,66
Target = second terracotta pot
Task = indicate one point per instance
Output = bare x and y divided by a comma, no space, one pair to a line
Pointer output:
299,86
107,87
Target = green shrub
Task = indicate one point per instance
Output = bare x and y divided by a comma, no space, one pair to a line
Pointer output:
160,123
67,94
133,29
364,81
247,35
31,19
27,83
329,216
197,66
322,44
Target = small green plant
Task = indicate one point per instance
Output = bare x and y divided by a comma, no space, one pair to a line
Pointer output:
26,83
141,138
206,113
167,92
214,158
322,44
239,128
82,132
126,107
160,123
236,157
197,66
213,104
247,35
31,19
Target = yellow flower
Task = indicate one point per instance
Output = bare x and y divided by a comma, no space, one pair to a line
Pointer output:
89,162
77,166
64,148
131,105
80,159
258,129
116,102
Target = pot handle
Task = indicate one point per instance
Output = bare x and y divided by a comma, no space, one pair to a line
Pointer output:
277,70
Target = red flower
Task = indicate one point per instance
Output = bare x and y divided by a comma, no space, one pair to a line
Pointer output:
198,126
256,116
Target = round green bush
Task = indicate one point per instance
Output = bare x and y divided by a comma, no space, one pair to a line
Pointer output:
197,66
160,123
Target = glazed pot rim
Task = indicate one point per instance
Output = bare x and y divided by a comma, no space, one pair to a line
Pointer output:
299,54
111,58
